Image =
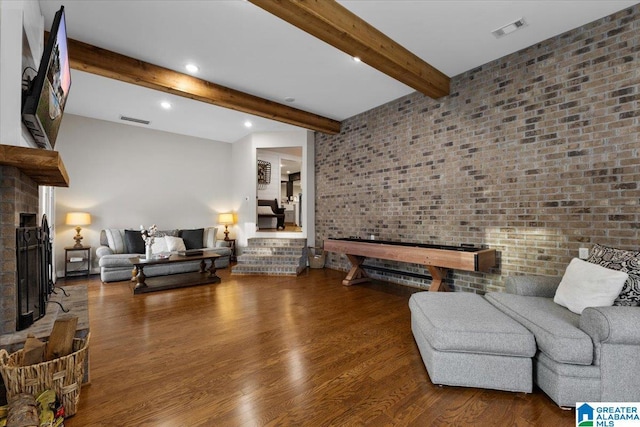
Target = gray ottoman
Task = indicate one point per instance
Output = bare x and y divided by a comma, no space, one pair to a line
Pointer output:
466,341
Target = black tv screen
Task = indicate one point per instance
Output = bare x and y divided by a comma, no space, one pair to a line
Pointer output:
46,96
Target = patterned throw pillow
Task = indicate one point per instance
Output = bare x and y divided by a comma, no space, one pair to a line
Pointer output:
621,260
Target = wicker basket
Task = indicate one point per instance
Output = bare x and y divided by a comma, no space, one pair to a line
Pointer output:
316,257
63,375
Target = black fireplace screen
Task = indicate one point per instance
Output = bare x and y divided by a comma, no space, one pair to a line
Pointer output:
34,281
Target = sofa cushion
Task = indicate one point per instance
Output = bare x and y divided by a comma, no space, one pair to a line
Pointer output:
133,242
164,233
556,329
588,285
265,210
159,245
625,261
210,236
116,260
174,243
467,323
193,239
115,238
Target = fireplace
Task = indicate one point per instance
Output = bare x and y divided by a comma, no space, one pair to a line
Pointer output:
18,193
34,270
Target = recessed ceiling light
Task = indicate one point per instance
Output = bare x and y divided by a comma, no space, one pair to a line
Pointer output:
357,59
165,104
192,68
248,124
509,28
288,171
289,99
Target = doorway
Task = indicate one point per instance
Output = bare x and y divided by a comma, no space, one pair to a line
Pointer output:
284,167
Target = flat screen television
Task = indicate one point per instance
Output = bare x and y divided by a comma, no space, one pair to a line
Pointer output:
45,98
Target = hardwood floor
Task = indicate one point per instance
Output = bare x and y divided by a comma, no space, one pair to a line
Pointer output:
275,351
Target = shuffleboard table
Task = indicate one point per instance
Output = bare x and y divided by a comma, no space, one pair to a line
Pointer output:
437,258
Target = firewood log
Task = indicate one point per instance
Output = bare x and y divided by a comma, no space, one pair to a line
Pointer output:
23,411
61,340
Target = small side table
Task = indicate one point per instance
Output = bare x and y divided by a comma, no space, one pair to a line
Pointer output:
232,246
77,261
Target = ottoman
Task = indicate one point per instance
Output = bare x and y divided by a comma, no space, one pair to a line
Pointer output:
466,341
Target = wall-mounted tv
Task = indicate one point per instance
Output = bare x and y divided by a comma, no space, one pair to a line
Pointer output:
44,99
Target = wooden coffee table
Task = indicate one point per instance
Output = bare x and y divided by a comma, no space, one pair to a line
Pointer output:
173,281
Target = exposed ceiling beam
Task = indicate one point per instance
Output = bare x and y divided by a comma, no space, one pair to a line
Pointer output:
95,60
336,25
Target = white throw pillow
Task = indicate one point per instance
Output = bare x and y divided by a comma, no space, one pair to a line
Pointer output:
175,243
159,245
588,285
209,237
265,210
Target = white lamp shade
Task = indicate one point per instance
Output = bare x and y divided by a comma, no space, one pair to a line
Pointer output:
78,218
226,218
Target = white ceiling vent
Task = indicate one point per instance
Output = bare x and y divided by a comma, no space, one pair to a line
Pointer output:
509,28
134,120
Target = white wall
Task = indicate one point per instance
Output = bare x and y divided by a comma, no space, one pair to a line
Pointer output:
127,176
21,40
272,190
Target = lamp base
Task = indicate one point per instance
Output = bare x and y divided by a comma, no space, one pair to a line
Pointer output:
226,233
78,239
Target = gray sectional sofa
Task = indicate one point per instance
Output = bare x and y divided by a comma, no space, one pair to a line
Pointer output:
117,247
588,357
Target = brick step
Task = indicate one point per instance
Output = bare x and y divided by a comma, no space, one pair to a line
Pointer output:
272,256
271,242
270,270
268,259
274,251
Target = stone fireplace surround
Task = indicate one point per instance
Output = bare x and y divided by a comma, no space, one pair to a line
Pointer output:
18,194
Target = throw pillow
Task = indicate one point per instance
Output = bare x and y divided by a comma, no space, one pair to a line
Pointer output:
163,233
210,237
133,242
588,285
265,210
115,240
159,246
193,238
174,243
621,260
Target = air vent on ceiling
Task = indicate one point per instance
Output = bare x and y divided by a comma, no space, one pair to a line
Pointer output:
134,120
509,28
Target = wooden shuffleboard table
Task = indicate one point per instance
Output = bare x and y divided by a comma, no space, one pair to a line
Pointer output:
437,258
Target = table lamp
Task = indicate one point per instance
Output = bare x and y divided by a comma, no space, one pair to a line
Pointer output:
227,220
78,219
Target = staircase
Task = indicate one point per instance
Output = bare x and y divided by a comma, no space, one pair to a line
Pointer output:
272,256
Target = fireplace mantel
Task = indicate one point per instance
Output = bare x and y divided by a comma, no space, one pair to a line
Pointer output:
45,167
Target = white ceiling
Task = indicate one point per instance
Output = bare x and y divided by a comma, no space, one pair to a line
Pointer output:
239,45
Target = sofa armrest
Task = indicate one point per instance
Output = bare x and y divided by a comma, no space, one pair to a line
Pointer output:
102,251
222,244
533,286
612,325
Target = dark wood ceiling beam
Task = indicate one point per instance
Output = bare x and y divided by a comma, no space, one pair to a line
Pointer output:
336,25
95,60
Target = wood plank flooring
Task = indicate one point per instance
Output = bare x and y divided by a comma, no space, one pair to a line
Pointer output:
275,351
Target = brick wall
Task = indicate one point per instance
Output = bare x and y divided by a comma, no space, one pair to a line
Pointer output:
18,194
535,154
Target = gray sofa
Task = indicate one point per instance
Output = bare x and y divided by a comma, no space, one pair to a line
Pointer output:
113,256
588,357
577,358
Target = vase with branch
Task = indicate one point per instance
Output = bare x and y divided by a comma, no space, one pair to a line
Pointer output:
149,237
